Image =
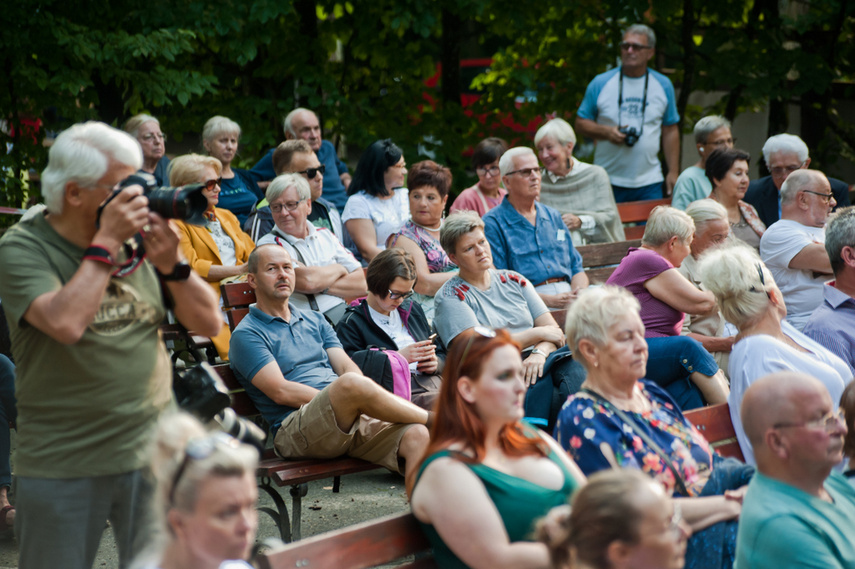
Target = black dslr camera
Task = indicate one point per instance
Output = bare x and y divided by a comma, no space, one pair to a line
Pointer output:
186,203
631,135
201,392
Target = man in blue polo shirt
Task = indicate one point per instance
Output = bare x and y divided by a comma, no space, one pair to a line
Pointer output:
303,124
529,237
315,398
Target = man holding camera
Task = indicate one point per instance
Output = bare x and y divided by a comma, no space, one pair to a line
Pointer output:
627,111
93,373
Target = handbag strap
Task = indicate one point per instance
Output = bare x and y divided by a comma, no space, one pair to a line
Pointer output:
678,480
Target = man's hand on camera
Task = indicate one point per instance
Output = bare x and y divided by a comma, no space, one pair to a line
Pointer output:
122,218
161,244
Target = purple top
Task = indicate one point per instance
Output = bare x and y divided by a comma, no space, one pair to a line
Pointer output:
437,260
832,324
638,267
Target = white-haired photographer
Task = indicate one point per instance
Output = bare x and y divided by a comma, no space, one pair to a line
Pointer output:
93,374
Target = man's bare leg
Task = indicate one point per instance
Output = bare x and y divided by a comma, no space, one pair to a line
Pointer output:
353,394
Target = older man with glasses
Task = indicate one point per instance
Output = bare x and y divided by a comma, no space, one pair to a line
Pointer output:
531,238
797,511
793,248
628,110
784,154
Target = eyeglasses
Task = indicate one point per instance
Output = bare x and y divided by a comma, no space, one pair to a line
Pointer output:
200,449
825,197
779,171
627,46
527,172
759,268
210,184
828,422
153,136
312,172
396,295
479,331
290,206
491,171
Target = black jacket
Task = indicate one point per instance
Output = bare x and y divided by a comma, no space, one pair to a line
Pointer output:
763,195
358,331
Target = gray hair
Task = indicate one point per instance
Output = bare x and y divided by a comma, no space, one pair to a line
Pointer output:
666,222
798,181
733,274
186,169
788,143
506,162
643,30
559,129
705,210
287,124
708,125
456,226
133,124
284,181
595,311
218,125
839,233
82,154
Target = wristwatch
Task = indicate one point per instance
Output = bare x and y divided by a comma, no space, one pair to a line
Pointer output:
180,273
539,352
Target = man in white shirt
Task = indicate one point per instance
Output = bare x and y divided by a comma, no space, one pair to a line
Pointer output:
793,248
327,273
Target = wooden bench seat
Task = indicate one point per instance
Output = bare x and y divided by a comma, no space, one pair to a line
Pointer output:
632,213
715,425
378,542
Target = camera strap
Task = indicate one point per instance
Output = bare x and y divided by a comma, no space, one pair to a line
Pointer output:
643,100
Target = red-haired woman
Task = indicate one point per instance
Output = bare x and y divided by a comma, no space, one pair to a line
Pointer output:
486,477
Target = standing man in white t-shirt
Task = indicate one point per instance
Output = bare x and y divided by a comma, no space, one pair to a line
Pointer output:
793,248
628,111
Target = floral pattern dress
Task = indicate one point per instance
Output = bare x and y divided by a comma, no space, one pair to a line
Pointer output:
584,424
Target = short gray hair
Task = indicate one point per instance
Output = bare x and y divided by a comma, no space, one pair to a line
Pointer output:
559,129
798,181
82,154
642,30
218,125
287,124
666,222
705,210
133,124
708,125
789,143
284,181
506,162
733,275
839,233
595,311
456,226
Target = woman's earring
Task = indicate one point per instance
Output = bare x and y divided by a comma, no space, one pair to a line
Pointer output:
701,148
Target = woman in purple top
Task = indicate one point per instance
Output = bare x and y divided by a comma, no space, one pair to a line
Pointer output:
678,363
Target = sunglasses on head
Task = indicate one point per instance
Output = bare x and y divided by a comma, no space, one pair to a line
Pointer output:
209,185
312,172
481,331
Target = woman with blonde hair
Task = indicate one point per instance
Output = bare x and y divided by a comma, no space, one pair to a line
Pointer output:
219,249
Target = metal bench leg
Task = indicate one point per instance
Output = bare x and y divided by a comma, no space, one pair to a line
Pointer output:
336,484
297,493
280,514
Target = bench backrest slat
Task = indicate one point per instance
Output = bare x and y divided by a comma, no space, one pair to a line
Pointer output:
633,212
601,259
241,403
715,425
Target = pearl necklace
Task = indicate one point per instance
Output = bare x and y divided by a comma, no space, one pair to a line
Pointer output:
437,228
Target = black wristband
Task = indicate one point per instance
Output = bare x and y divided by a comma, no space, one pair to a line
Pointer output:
98,253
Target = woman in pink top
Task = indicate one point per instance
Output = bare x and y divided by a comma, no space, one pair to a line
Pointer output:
677,363
488,192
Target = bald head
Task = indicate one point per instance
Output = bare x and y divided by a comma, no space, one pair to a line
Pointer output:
774,399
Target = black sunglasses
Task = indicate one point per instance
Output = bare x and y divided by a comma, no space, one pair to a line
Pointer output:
312,172
200,449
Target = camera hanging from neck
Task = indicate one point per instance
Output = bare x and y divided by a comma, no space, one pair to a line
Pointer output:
643,101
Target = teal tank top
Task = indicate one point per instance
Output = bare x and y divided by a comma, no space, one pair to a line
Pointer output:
520,504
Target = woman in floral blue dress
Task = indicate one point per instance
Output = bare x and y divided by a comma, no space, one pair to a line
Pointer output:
620,419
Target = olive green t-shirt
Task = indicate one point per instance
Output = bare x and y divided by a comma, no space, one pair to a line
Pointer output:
86,409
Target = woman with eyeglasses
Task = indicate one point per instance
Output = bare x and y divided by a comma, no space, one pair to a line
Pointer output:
749,299
378,204
240,192
581,192
146,129
619,519
711,133
388,319
727,169
429,185
220,249
205,498
619,419
486,476
488,192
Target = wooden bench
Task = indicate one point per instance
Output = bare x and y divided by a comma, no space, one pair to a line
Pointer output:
600,260
274,472
378,542
715,425
635,212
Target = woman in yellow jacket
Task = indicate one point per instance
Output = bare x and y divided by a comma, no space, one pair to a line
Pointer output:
219,249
